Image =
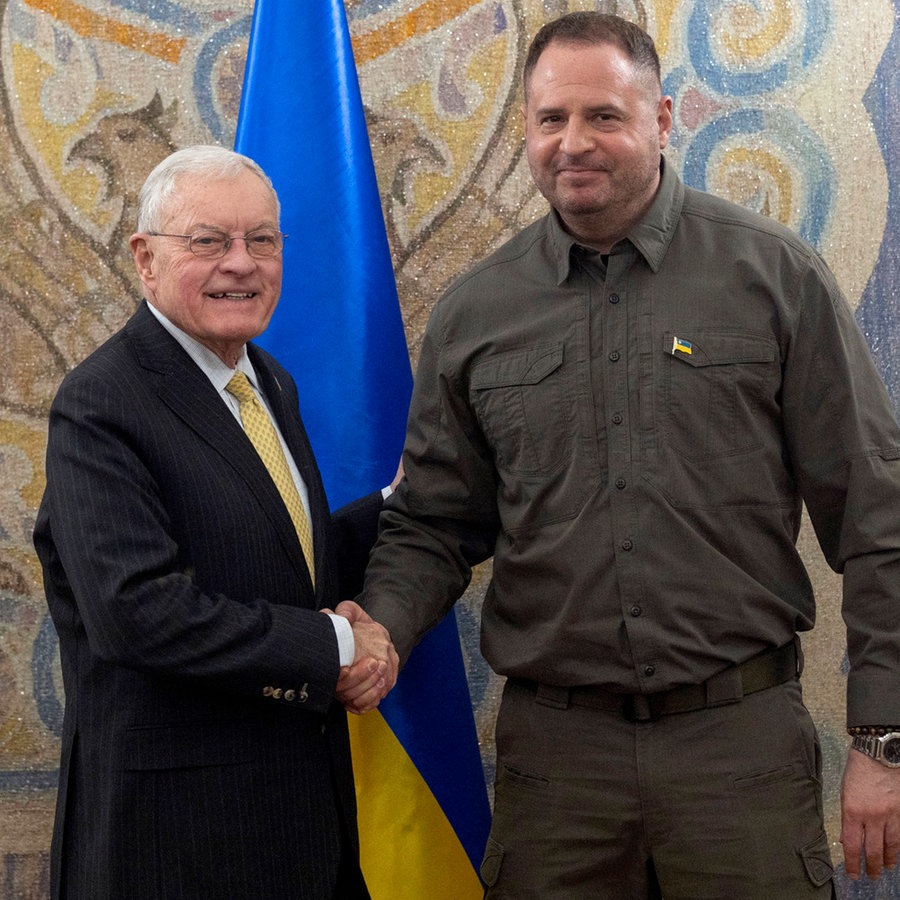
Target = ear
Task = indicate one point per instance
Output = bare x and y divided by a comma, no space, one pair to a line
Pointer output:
143,256
665,121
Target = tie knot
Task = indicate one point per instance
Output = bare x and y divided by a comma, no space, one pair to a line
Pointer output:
240,387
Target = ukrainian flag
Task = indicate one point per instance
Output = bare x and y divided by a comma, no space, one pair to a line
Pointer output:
424,814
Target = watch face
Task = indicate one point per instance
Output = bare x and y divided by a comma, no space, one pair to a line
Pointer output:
891,750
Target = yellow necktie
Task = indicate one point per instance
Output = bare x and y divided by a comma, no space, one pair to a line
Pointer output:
262,434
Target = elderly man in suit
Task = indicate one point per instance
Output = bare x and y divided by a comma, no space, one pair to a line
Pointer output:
191,568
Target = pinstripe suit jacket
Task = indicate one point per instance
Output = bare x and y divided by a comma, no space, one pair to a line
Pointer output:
203,755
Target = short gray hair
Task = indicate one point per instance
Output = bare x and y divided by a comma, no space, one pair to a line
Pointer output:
203,160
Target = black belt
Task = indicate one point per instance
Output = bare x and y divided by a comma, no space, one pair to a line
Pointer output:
769,668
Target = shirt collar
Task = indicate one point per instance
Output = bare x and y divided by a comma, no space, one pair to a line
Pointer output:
653,234
562,243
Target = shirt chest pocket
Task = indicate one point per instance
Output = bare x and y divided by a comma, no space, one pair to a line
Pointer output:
719,392
524,409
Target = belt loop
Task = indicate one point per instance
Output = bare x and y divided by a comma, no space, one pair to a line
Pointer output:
798,649
550,695
725,687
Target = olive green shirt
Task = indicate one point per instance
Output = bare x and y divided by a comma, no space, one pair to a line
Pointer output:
631,439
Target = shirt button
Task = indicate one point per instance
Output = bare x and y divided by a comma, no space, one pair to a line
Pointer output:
614,356
618,418
649,670
636,611
613,298
627,545
620,483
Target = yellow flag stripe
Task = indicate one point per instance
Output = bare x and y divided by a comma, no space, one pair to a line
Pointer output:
408,848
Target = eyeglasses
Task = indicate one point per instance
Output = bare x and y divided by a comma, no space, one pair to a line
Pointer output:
210,244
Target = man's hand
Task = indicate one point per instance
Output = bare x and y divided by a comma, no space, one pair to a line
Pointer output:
364,684
870,815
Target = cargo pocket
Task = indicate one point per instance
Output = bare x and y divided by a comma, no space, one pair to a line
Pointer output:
816,858
490,865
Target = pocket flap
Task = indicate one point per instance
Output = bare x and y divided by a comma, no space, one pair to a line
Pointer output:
707,348
491,862
816,858
528,366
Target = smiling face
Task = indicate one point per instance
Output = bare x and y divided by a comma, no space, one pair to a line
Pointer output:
594,130
222,303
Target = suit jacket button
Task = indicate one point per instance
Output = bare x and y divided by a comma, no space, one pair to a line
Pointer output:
290,695
267,691
303,696
277,693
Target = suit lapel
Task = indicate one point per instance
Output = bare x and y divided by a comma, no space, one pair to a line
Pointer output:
186,390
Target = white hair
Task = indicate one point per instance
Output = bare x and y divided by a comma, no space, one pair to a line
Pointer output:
203,160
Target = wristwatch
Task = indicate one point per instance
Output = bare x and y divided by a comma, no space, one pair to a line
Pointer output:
882,747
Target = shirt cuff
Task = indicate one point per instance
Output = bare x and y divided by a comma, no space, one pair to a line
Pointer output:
346,642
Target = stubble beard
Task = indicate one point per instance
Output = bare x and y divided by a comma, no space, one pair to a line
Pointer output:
607,212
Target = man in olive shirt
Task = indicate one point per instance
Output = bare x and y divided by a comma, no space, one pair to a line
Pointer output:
626,406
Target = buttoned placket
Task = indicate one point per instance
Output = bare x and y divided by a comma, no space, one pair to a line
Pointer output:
615,324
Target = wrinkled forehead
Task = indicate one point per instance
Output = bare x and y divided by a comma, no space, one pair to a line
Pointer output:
221,201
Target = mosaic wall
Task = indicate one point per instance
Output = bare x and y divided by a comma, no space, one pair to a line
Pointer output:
787,106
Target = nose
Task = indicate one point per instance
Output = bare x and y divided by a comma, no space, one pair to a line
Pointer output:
577,137
237,257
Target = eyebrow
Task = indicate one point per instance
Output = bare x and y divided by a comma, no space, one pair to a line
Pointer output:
594,110
207,227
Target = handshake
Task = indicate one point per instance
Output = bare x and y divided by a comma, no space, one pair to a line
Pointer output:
362,685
